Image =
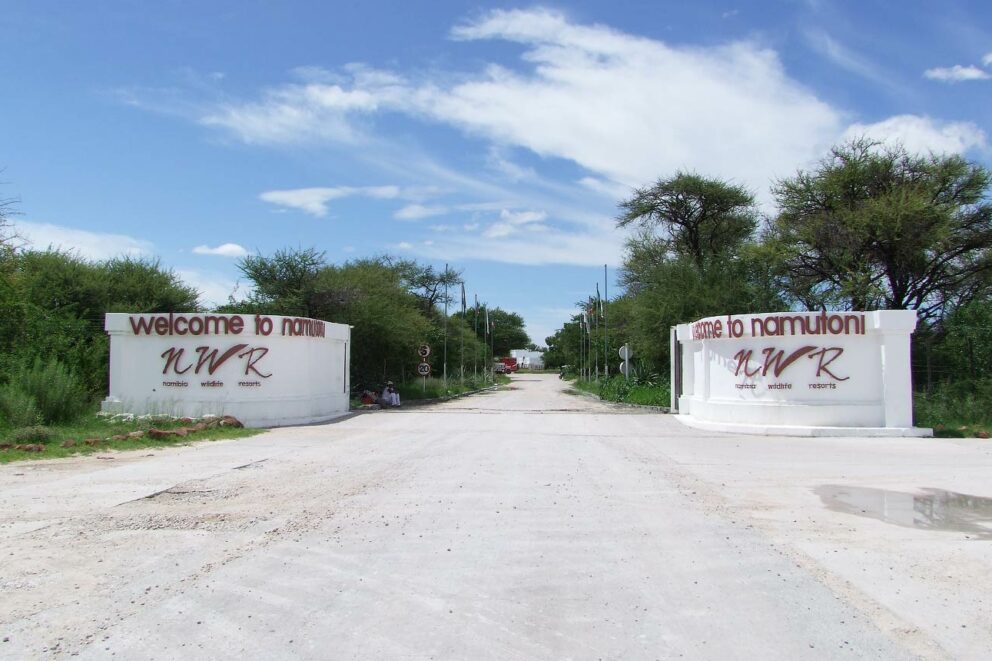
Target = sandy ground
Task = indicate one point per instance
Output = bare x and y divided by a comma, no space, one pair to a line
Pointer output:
523,524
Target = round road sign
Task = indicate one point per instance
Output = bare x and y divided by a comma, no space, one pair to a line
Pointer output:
625,352
424,350
424,369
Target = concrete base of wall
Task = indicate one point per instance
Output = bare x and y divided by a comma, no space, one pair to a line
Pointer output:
807,431
258,415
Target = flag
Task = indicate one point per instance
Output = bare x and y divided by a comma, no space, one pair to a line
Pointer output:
599,300
487,320
463,299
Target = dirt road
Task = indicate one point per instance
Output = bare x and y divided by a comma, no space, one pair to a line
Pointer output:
524,524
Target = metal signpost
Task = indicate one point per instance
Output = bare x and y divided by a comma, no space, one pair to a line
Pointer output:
424,368
625,354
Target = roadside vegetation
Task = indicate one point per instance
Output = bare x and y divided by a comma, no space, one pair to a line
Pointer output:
91,433
868,227
628,391
54,351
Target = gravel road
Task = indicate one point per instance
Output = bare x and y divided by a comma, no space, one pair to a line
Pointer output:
529,523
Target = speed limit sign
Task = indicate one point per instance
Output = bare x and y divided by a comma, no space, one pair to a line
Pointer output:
424,350
424,369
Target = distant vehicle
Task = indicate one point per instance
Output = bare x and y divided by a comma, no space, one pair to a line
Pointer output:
499,368
510,363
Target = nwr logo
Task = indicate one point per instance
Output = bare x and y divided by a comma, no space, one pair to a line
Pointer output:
777,361
212,359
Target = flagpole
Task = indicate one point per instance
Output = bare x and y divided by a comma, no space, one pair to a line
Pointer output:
606,328
446,328
461,335
595,315
475,350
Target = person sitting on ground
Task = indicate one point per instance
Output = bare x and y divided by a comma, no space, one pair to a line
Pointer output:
368,397
390,395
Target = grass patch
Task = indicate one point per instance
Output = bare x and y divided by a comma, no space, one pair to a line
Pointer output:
436,389
956,410
51,439
619,389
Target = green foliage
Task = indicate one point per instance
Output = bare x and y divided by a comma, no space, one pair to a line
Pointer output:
393,306
52,305
875,227
32,434
647,390
965,349
283,283
56,392
434,388
699,218
952,405
17,408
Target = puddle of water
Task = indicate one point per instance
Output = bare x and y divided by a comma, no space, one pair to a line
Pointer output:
931,509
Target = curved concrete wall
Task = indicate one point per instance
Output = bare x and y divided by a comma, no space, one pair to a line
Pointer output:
265,370
798,372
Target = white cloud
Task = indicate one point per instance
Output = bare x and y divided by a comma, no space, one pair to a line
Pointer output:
626,108
295,113
90,245
609,189
404,245
922,134
499,162
418,211
223,250
845,58
499,230
521,217
956,74
551,246
214,289
314,200
987,60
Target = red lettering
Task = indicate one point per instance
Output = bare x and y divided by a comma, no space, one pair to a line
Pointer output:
253,359
237,324
172,357
211,360
743,357
777,362
175,325
821,365
161,325
141,325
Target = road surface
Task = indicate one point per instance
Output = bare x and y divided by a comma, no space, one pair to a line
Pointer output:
523,524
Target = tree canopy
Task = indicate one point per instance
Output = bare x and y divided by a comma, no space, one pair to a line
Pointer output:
874,226
698,218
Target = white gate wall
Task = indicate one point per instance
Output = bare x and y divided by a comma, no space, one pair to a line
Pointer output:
813,373
265,370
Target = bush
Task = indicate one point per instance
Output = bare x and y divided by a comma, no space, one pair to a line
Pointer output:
17,408
955,404
58,394
32,434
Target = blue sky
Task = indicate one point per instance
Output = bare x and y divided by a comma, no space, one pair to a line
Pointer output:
495,137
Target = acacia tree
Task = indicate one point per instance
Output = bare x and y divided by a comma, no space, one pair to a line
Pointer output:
874,226
698,218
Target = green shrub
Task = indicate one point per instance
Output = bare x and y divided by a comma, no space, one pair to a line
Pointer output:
57,392
32,434
17,408
955,404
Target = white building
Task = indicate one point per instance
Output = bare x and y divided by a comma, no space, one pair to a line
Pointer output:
528,360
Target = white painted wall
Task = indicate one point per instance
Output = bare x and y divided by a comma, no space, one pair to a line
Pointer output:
267,379
526,359
857,378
